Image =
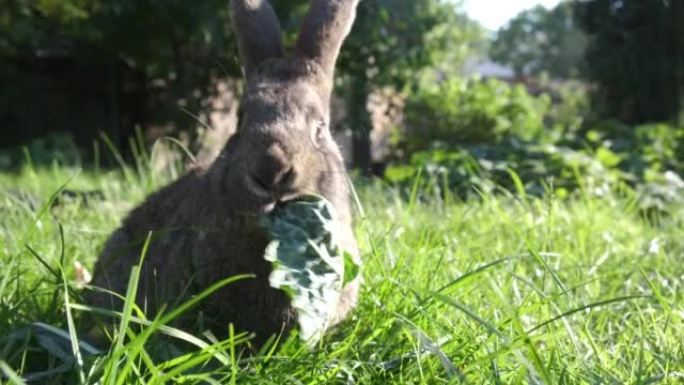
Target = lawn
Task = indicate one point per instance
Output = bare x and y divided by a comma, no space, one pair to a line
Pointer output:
503,289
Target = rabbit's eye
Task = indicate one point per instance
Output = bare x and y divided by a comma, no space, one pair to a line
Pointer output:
319,132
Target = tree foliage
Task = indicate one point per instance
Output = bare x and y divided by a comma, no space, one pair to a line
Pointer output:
392,40
152,35
391,43
540,40
186,46
174,52
636,56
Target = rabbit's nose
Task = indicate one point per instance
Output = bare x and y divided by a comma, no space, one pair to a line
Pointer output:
273,172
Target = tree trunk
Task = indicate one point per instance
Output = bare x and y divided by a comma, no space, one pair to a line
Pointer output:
360,124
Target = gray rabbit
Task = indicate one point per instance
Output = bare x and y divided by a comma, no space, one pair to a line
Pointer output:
206,224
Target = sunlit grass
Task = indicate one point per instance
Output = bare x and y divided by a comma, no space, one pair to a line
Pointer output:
503,289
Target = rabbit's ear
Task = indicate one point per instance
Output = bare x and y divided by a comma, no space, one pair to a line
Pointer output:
257,30
323,31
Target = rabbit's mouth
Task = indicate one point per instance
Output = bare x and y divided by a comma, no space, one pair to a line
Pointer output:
257,189
270,205
268,200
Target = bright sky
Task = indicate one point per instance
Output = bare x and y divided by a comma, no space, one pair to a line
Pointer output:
493,14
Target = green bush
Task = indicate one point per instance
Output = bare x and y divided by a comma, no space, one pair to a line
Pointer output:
641,149
54,148
476,135
651,158
460,111
513,165
647,160
568,114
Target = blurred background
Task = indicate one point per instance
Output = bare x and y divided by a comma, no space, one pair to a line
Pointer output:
461,93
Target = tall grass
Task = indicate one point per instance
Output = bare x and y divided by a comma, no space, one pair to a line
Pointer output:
504,289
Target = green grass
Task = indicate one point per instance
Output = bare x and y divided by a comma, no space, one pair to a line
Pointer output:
500,290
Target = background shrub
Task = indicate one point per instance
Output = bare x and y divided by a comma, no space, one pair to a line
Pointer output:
460,111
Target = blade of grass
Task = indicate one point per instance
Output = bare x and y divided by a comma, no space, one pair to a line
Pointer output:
166,330
73,337
13,377
585,307
129,303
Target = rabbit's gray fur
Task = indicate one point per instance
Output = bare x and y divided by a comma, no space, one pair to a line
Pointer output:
205,225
